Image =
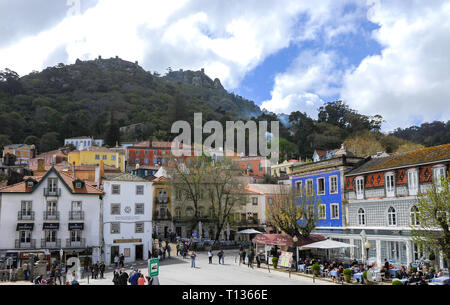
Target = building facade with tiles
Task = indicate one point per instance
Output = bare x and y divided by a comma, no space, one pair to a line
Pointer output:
381,196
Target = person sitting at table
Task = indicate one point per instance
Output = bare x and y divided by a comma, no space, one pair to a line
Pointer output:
415,278
422,281
439,273
401,274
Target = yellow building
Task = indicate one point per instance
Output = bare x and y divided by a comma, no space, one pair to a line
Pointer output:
93,155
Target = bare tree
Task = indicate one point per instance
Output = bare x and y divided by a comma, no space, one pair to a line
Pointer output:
294,211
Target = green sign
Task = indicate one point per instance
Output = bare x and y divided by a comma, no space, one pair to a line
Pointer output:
153,267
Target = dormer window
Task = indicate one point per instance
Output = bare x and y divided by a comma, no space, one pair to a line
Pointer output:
359,187
390,184
30,184
78,184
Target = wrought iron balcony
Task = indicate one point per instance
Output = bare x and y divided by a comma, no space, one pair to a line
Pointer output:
51,215
31,244
76,215
52,192
76,244
25,215
50,244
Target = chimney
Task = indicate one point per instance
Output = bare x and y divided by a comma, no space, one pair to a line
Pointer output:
73,170
41,165
102,170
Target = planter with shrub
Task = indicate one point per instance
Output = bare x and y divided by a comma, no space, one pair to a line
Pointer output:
316,269
397,282
275,262
347,275
366,281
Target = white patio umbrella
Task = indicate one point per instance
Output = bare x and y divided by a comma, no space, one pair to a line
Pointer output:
249,231
326,244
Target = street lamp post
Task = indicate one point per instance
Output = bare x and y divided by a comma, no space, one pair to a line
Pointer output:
367,246
295,240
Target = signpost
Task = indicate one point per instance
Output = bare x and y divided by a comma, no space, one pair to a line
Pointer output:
153,267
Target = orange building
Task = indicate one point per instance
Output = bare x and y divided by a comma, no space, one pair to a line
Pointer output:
255,167
23,152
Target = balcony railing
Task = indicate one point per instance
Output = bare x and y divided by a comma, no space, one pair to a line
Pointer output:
25,245
52,192
76,215
76,244
50,244
51,215
25,215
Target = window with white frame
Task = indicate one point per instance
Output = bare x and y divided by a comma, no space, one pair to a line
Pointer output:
438,173
75,235
50,236
139,190
334,207
321,186
115,227
139,227
115,208
26,208
255,200
322,211
25,236
139,209
333,180
359,187
413,181
361,217
390,184
392,217
115,189
298,187
309,187
270,201
413,213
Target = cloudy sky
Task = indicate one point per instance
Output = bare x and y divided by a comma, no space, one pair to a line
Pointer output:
385,57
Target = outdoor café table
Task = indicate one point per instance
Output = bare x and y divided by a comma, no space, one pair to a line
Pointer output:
439,279
302,267
358,276
333,273
393,272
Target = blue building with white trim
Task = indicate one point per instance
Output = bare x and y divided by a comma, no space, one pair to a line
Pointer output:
326,179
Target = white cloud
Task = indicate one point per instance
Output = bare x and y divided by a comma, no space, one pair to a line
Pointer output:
410,80
228,40
301,88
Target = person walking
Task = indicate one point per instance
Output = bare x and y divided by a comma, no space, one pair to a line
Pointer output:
58,275
123,277
178,248
121,260
116,277
96,269
135,277
220,255
168,251
116,261
25,271
184,251
243,256
102,268
210,256
193,256
141,280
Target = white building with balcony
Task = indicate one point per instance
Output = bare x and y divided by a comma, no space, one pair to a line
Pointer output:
49,213
127,222
81,143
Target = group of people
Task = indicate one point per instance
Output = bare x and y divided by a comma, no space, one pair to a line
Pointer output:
419,275
136,277
97,269
251,255
119,261
163,250
220,255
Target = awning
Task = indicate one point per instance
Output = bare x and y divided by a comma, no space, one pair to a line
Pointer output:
50,226
327,244
25,227
76,226
286,240
249,231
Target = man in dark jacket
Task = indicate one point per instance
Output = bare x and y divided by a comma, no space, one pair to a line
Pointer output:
121,260
123,277
102,269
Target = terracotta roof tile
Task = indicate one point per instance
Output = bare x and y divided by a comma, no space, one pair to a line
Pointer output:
420,156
